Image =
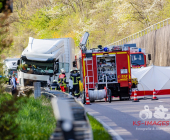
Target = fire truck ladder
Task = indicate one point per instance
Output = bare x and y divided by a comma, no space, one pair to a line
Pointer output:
89,79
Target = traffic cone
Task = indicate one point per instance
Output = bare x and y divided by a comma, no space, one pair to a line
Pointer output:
106,94
154,95
87,97
135,97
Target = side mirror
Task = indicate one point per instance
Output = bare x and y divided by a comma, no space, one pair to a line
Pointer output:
18,62
74,64
149,56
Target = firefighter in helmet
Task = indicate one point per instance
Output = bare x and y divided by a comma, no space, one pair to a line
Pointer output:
75,77
54,85
62,80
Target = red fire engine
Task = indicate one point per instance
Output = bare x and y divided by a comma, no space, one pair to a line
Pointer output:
106,72
138,56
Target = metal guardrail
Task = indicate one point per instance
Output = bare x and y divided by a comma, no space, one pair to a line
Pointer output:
142,33
72,122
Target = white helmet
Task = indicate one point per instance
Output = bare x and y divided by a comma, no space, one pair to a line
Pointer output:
55,81
62,70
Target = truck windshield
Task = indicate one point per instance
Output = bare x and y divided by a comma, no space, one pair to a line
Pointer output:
60,65
12,71
34,67
137,59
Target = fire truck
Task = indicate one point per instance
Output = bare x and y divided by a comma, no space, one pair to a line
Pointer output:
105,72
138,56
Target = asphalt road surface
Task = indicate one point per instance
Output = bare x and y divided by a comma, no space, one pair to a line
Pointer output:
124,119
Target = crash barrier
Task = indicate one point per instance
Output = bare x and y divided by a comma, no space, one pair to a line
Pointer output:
143,32
72,122
150,92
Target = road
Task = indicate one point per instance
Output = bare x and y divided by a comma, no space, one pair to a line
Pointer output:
122,118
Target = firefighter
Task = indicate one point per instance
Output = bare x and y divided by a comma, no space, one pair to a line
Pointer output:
54,85
62,80
75,77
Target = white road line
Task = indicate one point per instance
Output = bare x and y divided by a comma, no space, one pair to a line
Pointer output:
109,129
160,101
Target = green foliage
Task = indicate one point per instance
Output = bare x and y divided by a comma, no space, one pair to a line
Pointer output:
25,118
8,113
99,133
106,21
35,118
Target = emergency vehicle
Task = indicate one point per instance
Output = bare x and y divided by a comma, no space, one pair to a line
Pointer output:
105,72
138,56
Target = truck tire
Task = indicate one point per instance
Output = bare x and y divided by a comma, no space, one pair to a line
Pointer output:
83,97
109,95
120,98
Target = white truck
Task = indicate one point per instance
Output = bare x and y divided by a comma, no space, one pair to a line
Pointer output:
10,66
43,59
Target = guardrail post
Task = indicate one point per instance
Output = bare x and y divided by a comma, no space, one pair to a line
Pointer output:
37,89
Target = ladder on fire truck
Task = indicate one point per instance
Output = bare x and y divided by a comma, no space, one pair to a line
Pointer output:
89,79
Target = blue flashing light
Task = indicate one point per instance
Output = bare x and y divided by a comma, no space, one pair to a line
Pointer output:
105,49
140,50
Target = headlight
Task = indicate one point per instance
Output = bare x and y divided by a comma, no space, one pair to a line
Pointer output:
123,71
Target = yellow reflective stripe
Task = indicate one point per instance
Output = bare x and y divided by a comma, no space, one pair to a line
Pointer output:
77,79
121,52
99,54
112,53
84,68
129,66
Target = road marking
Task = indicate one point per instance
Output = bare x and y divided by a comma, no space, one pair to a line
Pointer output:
109,129
160,101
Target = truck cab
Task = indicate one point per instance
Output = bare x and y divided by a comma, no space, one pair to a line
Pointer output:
10,66
138,56
42,60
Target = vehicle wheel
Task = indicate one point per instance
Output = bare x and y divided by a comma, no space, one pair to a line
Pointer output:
92,101
120,98
83,98
109,95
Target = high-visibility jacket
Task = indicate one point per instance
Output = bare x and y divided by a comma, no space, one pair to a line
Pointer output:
55,86
75,77
62,79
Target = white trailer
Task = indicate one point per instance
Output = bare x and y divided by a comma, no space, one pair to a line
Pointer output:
43,59
10,66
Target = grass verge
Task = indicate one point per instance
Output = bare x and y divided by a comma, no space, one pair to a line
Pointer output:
99,132
35,118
